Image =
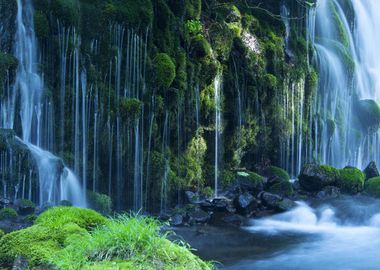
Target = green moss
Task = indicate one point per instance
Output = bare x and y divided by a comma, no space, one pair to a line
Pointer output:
200,48
41,24
254,177
165,70
1,234
8,214
369,114
128,241
277,171
67,11
193,9
350,180
58,216
372,187
283,188
25,203
100,202
130,108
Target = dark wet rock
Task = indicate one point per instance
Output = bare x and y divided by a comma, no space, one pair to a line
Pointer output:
20,263
206,205
329,192
234,219
276,202
296,185
191,197
279,186
314,177
4,202
25,207
176,220
246,204
250,182
199,216
371,171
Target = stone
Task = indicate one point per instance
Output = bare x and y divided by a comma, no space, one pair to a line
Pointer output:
246,204
199,216
329,192
314,177
176,220
371,171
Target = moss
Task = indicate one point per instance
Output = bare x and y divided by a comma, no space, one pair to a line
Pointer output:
41,24
276,171
372,187
36,243
270,81
8,214
67,11
283,188
1,234
200,48
193,9
100,202
131,12
130,108
369,114
165,70
8,63
58,216
254,177
129,241
350,180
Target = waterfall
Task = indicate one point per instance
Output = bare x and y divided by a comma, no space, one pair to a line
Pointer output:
349,70
218,130
29,89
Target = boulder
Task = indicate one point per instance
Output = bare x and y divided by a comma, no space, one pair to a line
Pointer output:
176,220
276,202
279,186
250,182
198,216
371,171
350,180
246,204
314,177
329,192
25,207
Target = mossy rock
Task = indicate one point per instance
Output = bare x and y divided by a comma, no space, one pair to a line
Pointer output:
36,243
165,70
372,187
272,171
99,202
369,114
200,48
350,180
250,181
8,214
314,177
25,207
279,186
59,216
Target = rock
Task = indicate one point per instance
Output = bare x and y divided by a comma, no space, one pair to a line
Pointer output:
4,202
273,171
279,186
190,196
25,207
250,182
176,220
276,202
350,180
315,177
199,216
371,171
246,204
329,192
20,263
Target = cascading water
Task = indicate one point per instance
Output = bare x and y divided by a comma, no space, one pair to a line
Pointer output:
348,65
29,89
218,130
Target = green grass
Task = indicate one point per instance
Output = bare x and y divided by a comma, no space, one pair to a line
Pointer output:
69,238
128,243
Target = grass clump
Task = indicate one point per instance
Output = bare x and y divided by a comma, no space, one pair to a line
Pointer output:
350,180
8,213
130,242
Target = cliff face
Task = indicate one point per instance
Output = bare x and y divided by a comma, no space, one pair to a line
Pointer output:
143,98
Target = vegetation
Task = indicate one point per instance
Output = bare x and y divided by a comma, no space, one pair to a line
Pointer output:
8,213
165,70
372,187
350,180
70,238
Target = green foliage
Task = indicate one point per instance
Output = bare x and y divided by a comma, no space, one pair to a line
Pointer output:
194,28
228,177
135,241
350,180
200,48
131,12
193,9
67,11
41,24
59,216
1,234
194,159
165,70
372,187
8,63
8,214
99,202
276,171
130,108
